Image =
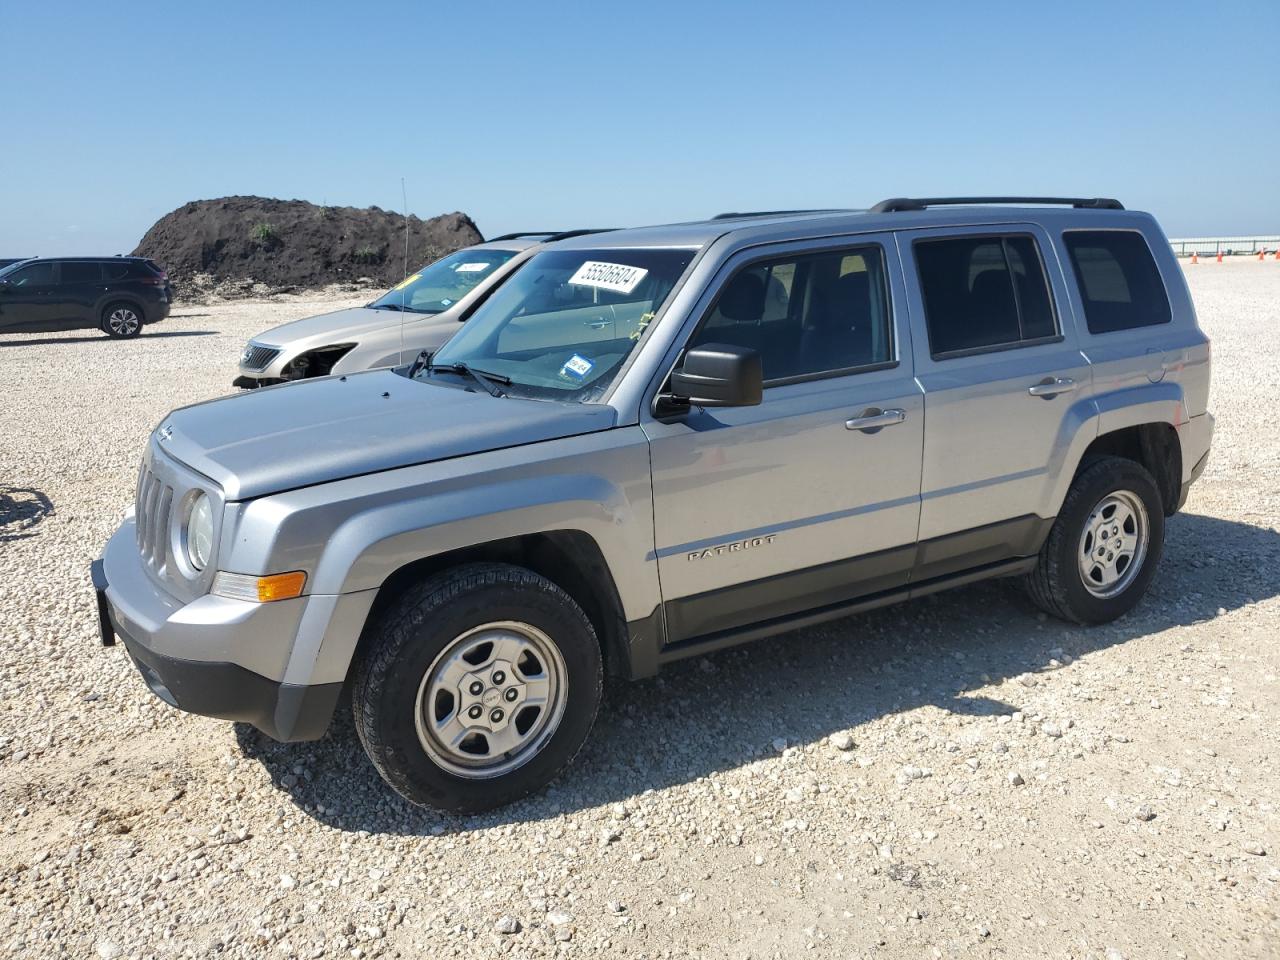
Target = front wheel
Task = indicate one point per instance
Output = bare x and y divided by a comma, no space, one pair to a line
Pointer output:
1104,547
120,321
479,686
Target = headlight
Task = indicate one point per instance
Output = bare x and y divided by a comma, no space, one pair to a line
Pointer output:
198,537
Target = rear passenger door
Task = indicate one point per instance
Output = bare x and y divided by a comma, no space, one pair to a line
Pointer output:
1005,388
78,292
810,499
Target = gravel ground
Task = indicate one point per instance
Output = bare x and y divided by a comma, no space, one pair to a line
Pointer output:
955,777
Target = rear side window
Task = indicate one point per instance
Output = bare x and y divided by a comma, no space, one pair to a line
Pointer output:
78,271
1119,281
115,270
984,293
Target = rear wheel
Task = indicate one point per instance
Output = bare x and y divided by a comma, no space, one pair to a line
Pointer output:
121,321
480,685
1105,545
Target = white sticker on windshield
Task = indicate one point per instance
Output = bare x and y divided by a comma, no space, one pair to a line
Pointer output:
470,267
608,276
577,366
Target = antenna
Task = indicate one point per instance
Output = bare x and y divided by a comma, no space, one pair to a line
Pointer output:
404,206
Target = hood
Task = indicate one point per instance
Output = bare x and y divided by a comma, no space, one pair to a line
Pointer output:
346,323
313,431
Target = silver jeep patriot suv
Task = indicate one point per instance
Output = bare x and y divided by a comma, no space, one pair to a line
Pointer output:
653,443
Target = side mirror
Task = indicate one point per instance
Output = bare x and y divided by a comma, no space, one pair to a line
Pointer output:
719,375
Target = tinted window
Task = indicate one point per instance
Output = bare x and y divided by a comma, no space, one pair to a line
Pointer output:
116,270
983,292
31,274
1119,281
78,271
806,315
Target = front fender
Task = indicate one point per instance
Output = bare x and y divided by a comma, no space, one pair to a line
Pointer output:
350,535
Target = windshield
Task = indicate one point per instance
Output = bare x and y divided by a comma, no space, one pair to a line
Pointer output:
566,321
437,287
11,267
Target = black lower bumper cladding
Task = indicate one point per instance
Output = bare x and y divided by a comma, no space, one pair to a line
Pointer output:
227,691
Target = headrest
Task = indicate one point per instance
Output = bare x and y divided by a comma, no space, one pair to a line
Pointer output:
743,300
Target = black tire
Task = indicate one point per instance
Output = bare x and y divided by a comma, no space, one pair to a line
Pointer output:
417,628
121,320
1057,584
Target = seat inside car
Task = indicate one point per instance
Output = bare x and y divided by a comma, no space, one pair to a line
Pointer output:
839,328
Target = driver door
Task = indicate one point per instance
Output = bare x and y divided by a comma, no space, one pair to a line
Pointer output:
764,513
29,301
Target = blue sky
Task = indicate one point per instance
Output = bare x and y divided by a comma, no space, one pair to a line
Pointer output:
555,114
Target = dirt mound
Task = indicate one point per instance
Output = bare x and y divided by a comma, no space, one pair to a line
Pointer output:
292,243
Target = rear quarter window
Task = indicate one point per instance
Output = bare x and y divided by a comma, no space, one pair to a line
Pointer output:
1119,281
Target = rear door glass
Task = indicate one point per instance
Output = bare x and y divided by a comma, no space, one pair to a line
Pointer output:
984,293
80,271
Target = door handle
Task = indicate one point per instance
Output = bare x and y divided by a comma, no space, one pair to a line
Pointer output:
596,324
1051,387
873,419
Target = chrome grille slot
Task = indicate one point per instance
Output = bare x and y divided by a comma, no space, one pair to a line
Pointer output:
256,356
151,518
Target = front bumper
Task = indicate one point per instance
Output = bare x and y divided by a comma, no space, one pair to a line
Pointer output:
156,630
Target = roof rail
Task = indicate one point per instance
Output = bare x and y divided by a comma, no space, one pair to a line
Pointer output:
526,233
578,233
763,213
899,204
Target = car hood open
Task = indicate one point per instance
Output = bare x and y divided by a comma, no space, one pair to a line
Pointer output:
314,431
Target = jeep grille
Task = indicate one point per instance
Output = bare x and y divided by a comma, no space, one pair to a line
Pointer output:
151,517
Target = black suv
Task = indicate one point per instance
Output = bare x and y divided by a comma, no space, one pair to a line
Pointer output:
115,294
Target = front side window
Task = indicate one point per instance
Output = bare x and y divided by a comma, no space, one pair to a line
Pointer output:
806,315
33,274
437,287
983,292
565,322
1119,280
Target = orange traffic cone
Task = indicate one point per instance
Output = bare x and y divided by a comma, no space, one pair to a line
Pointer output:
1219,256
1278,254
1262,255
1194,257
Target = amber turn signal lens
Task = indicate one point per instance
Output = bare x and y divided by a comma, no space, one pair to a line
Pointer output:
281,586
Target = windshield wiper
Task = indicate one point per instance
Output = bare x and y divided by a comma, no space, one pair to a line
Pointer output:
385,306
487,380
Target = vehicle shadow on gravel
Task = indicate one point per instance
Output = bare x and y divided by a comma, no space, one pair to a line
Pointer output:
21,508
720,712
103,338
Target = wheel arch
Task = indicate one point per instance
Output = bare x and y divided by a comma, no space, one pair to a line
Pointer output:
1139,423
569,558
1153,445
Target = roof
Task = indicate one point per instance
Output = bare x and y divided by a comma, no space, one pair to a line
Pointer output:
749,229
105,256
